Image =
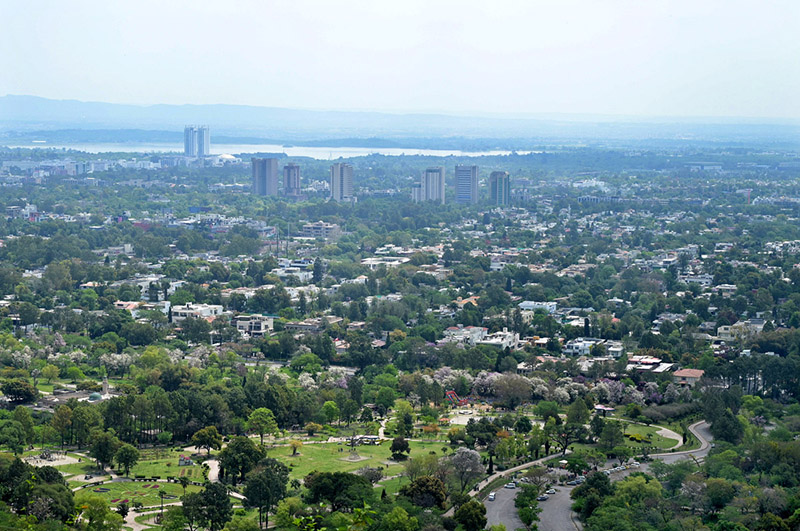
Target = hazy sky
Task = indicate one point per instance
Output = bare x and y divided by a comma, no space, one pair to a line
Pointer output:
642,57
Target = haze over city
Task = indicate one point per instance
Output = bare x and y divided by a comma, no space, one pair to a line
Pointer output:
619,58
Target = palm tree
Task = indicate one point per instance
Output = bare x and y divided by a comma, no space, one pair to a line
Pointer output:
161,495
184,481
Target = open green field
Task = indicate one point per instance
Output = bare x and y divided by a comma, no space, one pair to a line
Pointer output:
393,485
163,463
145,493
86,466
328,457
656,440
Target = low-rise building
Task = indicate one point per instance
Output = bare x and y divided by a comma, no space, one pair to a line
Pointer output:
465,335
255,325
687,377
320,229
503,339
549,307
196,311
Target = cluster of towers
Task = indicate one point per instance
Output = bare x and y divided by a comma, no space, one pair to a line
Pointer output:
265,178
430,188
196,141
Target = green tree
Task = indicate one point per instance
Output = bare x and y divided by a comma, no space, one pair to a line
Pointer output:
12,435
547,410
239,457
184,482
319,272
398,520
399,448
174,520
126,457
22,415
471,515
330,410
262,421
578,413
523,425
341,489
104,447
207,438
210,508
96,515
425,491
727,427
611,435
50,372
19,391
265,487
61,421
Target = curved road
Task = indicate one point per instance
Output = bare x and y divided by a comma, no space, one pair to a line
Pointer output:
557,512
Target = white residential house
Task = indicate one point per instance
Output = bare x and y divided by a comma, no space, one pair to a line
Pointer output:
255,325
503,339
196,311
549,307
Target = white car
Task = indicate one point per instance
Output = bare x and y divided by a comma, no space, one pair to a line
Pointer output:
492,496
510,486
550,491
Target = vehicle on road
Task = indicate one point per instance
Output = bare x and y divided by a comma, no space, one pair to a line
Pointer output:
543,497
550,491
510,486
492,496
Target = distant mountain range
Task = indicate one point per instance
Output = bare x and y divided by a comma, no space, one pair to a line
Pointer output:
24,116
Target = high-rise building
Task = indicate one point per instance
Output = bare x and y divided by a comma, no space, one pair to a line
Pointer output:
196,141
341,182
291,180
417,192
265,176
500,187
466,184
433,183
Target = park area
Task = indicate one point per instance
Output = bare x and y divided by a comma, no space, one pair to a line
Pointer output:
335,457
146,493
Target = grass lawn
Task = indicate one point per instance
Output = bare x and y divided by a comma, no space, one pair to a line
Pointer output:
44,386
87,466
656,440
137,491
393,485
328,458
163,463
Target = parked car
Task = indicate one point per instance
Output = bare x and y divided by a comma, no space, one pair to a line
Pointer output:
492,496
572,482
510,486
543,497
550,491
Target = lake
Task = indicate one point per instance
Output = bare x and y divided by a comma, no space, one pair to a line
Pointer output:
322,153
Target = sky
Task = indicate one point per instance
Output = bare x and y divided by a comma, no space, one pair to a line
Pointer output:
642,58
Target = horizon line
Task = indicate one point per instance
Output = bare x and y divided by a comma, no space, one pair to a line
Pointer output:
505,115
